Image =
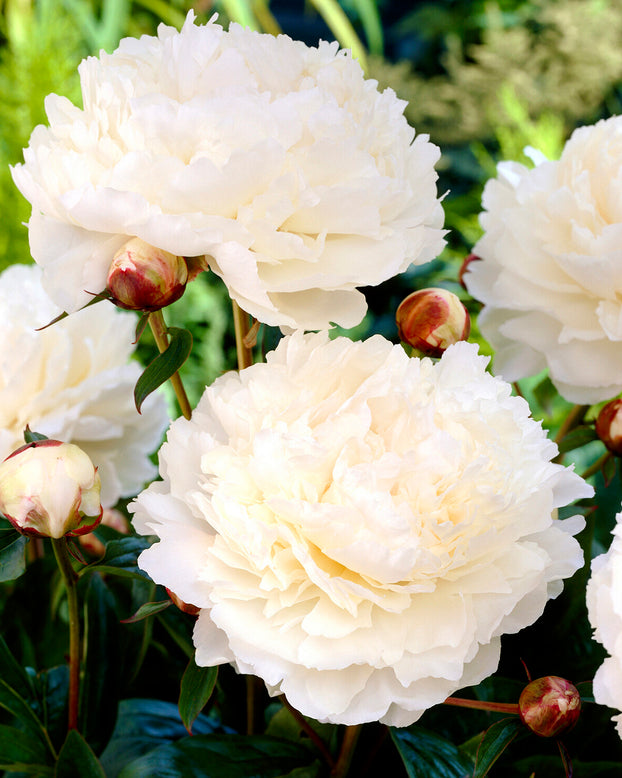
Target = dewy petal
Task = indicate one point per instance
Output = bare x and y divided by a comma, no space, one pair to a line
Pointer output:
358,527
279,161
551,271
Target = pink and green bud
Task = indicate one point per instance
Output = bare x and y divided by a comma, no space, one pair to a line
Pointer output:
50,489
431,320
609,426
145,278
549,706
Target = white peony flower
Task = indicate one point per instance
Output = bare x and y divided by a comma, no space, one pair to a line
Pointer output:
604,605
359,528
551,275
74,382
280,162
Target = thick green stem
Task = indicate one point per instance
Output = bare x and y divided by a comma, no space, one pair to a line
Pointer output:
348,744
61,552
242,328
495,707
158,327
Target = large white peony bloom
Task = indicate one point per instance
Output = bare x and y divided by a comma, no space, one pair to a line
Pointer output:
604,604
551,275
74,382
280,162
359,528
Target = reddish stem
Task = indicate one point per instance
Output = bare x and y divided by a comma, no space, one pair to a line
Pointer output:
495,707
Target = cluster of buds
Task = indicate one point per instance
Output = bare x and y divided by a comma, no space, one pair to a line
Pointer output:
50,489
145,278
549,706
431,320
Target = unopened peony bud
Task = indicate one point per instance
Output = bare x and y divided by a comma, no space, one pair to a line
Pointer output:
549,706
145,278
431,320
50,489
609,426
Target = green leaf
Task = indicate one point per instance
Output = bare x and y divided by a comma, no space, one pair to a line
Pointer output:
426,755
12,702
17,746
577,437
220,756
77,760
103,664
164,365
494,742
120,558
197,685
13,673
146,610
143,725
12,555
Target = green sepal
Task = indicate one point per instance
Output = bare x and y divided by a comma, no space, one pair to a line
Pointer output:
197,685
33,437
164,365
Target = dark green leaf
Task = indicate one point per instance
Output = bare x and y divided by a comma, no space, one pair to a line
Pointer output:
426,755
197,685
164,365
577,437
545,393
146,610
12,555
53,689
13,673
142,726
17,746
77,760
102,666
220,756
12,702
120,558
495,740
609,469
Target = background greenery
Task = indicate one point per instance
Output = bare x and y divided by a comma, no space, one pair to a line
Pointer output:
484,79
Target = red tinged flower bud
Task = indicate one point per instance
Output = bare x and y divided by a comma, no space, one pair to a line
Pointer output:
50,489
550,706
609,426
145,278
431,320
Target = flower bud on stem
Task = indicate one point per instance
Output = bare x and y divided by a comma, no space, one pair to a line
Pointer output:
61,552
158,328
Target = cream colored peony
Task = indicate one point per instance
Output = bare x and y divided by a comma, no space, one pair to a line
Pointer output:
551,276
359,528
604,604
280,162
74,382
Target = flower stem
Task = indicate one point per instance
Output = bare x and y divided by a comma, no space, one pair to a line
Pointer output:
596,466
61,552
158,328
242,328
495,707
350,737
313,735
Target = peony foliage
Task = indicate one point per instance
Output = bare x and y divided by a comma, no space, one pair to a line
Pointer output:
351,555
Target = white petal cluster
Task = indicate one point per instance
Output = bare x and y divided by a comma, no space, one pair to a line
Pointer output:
604,604
359,528
280,162
74,382
551,275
